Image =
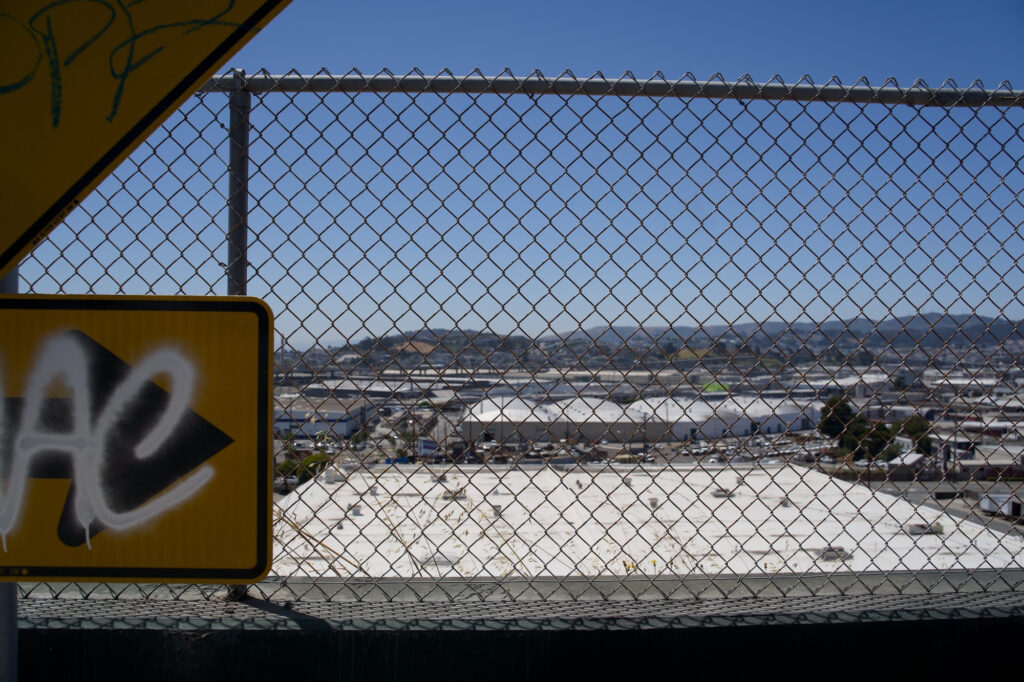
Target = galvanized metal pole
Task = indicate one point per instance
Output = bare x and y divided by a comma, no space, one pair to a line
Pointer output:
240,104
8,632
9,591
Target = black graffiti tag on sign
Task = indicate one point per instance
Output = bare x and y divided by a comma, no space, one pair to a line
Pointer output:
132,450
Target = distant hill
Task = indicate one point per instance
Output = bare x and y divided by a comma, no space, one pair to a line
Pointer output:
925,330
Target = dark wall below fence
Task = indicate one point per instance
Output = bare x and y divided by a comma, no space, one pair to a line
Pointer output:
878,650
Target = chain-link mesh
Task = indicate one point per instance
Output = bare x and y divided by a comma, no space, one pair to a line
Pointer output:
583,338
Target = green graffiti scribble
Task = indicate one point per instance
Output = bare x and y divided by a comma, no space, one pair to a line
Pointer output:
40,29
53,54
18,85
130,65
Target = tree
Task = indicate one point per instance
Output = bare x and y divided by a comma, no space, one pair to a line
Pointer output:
916,428
854,435
899,383
858,436
889,453
835,416
287,468
876,440
311,466
357,437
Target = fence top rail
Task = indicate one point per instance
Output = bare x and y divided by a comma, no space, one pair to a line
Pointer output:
918,94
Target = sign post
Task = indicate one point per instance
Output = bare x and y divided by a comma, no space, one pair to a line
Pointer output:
9,591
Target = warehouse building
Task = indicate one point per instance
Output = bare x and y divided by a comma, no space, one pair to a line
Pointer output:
508,419
774,415
655,522
593,419
673,418
512,419
308,418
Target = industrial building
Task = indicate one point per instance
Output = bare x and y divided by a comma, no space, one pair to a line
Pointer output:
690,419
656,521
309,417
513,419
508,419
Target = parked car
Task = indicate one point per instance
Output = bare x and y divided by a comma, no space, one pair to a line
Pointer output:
285,485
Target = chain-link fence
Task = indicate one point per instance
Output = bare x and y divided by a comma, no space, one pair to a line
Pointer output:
590,338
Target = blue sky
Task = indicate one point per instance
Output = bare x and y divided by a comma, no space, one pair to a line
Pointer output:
907,39
524,214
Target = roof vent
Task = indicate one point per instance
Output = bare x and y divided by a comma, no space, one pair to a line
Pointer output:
721,492
653,501
834,553
923,528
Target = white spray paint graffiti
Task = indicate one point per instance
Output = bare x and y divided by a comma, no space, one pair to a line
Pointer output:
62,358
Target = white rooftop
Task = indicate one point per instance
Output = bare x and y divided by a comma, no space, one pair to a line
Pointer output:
628,520
510,409
672,409
590,409
757,407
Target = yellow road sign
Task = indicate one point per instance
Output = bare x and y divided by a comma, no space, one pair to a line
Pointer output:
135,438
82,82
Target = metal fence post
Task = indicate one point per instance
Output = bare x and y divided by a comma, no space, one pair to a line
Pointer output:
9,591
240,104
8,632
